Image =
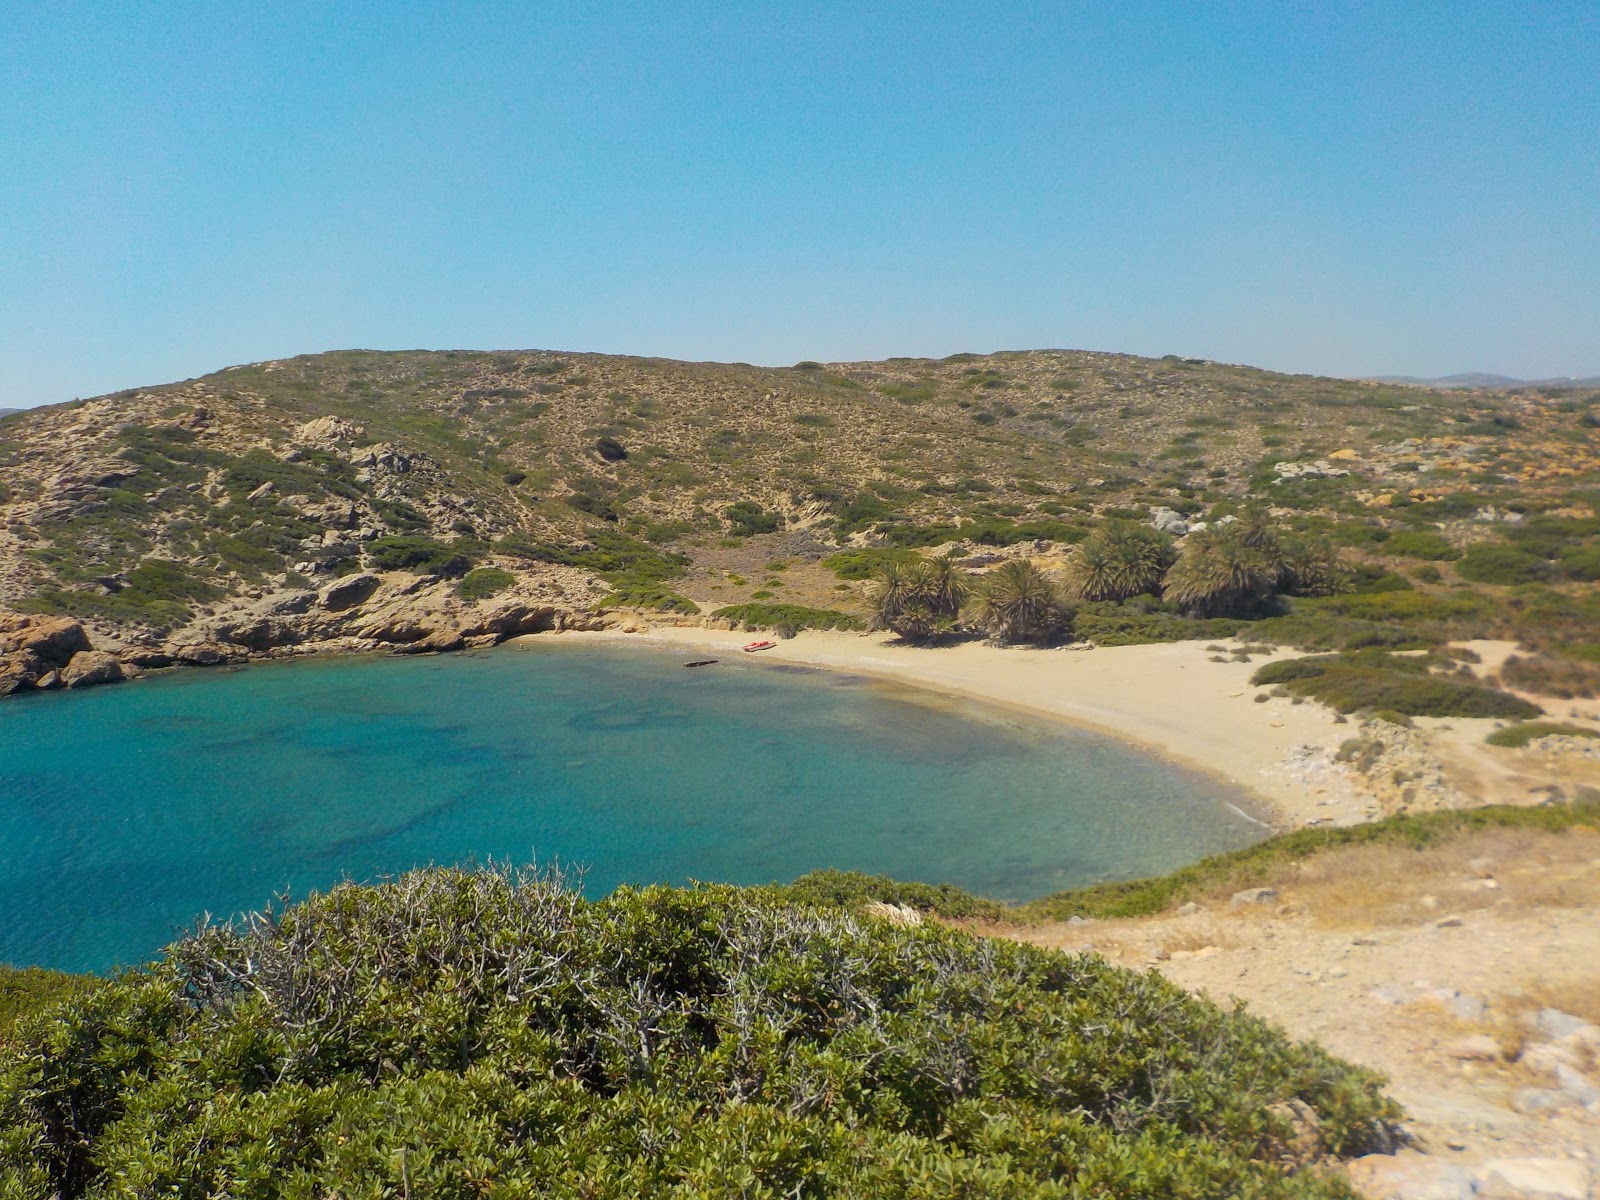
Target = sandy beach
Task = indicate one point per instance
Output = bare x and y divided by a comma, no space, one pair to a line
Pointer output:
1169,699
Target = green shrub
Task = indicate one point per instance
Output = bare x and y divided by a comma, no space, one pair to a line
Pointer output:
27,991
1488,562
421,555
1421,543
453,1027
794,616
484,583
1582,564
618,559
1407,606
593,504
1565,678
854,889
1108,624
649,595
1521,735
865,563
1376,681
746,518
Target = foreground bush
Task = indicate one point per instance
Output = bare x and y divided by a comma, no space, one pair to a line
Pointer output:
460,1033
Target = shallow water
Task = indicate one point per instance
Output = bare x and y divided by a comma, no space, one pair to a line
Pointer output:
125,812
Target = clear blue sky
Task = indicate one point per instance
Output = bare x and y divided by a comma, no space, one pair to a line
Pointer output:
1340,188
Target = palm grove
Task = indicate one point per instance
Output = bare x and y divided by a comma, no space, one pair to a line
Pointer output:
1234,569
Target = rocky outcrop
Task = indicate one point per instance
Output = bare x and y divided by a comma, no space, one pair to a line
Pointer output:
348,592
89,667
44,653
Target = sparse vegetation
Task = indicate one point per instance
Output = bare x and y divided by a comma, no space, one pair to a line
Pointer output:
484,583
1521,735
792,616
1374,681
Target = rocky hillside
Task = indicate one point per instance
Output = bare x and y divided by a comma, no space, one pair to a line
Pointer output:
435,499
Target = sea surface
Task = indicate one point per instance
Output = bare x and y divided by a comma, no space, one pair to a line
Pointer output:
127,811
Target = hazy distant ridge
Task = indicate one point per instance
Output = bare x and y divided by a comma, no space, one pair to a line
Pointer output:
1478,379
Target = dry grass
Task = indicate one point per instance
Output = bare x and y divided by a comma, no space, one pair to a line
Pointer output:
1508,870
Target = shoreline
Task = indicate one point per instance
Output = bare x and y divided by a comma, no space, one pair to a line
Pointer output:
1168,700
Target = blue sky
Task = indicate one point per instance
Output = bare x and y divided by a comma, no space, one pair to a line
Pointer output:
1337,188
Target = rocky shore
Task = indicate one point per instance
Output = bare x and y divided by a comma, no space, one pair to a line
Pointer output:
395,612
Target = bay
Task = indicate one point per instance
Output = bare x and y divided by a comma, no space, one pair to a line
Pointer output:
127,811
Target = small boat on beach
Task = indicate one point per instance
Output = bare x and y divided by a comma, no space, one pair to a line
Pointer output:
700,662
766,644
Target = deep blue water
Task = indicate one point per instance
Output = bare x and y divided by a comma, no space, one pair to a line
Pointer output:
127,811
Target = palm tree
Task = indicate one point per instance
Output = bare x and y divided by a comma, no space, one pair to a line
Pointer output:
1309,567
1221,574
917,600
1017,602
1118,560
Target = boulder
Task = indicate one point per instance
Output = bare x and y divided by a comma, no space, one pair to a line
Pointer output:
440,641
51,640
1169,520
257,633
201,654
90,667
349,592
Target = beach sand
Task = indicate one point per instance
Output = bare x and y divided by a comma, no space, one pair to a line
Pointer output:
1168,699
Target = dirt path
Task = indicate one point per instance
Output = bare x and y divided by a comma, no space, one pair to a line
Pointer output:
1430,967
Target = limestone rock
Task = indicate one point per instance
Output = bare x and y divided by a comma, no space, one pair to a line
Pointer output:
440,641
327,432
1169,520
349,592
201,654
1556,1025
1256,895
1541,1178
89,667
1409,1175
257,632
52,640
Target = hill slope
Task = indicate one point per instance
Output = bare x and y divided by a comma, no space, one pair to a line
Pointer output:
213,516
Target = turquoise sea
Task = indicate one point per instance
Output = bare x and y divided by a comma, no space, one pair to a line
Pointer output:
127,811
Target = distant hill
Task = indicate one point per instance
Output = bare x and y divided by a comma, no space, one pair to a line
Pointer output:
6,412
1477,380
215,510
